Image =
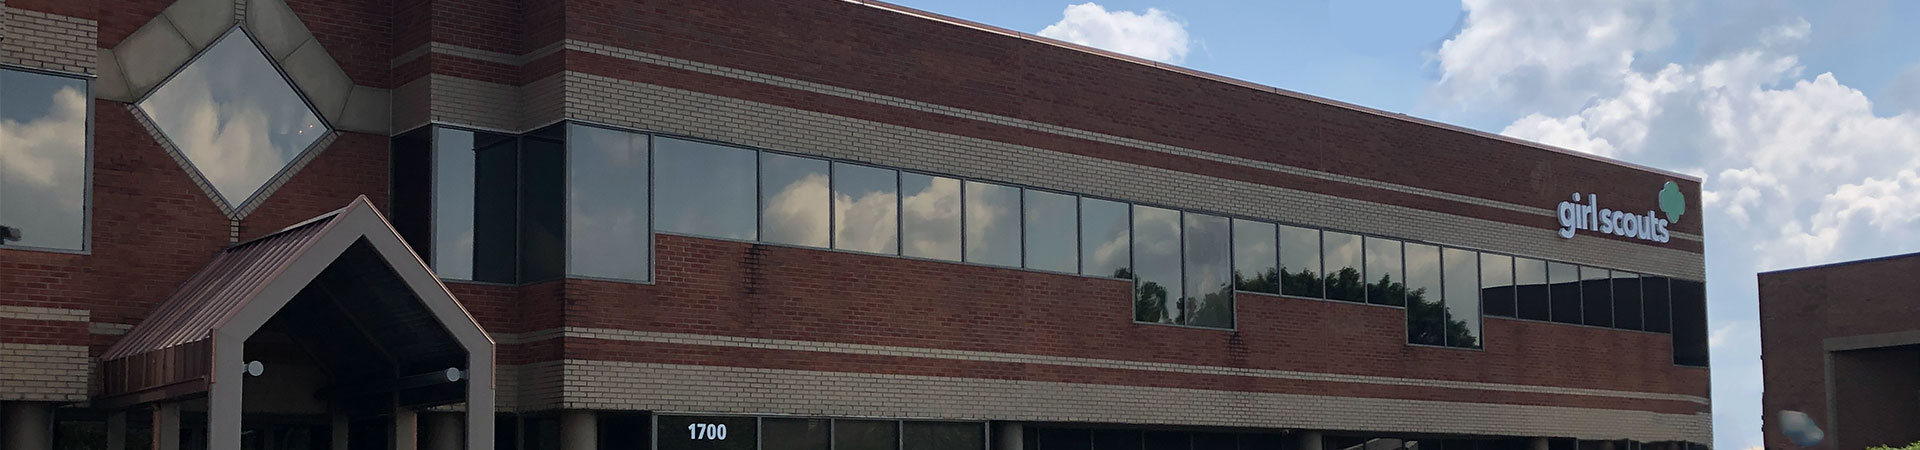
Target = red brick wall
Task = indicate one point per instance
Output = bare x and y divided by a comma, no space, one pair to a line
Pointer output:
868,49
357,33
354,164
1800,309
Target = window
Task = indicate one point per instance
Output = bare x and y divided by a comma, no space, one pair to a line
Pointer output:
1596,293
1209,271
1657,303
1627,314
1426,315
1106,239
916,435
607,231
1497,291
1051,232
1300,262
794,434
1530,281
866,434
794,200
930,216
234,118
704,189
1689,323
1384,283
1461,271
543,204
865,206
1156,264
1344,279
1564,289
992,220
1255,254
43,159
1062,439
1109,439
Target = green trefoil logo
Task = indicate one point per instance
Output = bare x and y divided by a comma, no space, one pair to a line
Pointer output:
1673,202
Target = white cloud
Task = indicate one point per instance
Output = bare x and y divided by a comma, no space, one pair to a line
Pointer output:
1154,35
1548,55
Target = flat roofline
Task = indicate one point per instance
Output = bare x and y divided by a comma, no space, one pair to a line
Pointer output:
884,6
1842,263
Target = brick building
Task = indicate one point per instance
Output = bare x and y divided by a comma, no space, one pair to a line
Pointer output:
1839,342
808,224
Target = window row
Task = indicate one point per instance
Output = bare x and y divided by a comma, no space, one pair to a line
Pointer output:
43,160
797,433
583,201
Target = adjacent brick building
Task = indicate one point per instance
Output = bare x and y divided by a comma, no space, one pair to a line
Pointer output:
807,224
1839,343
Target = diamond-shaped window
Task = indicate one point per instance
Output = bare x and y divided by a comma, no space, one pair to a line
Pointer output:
234,117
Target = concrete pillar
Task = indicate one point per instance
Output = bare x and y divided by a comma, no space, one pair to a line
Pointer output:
579,431
27,425
117,430
339,429
1309,440
406,429
444,431
1538,443
1009,435
166,426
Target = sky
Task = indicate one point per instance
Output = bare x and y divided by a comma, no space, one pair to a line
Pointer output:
1802,118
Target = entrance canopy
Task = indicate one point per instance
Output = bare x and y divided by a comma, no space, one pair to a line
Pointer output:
343,286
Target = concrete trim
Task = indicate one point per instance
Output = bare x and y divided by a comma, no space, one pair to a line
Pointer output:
1868,341
1000,357
43,313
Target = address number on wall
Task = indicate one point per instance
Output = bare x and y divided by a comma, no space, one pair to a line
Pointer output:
707,431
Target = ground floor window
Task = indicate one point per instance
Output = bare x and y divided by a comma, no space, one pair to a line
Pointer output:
729,432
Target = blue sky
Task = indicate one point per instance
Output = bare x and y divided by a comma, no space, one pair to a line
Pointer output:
1803,118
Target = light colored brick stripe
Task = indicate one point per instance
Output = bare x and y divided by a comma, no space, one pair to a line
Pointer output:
1000,357
49,41
42,313
487,105
688,388
642,106
114,329
39,372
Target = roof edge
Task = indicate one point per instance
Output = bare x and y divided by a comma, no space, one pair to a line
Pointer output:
1840,264
950,20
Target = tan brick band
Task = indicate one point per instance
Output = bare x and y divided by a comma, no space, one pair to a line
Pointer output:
40,372
49,41
685,388
43,313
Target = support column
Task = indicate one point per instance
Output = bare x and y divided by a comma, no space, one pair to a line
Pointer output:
579,431
444,431
166,426
1538,443
406,429
117,430
27,425
1009,436
339,429
1310,440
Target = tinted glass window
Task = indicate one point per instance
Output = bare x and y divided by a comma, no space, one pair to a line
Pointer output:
1063,439
1461,268
1168,440
1116,440
496,209
1565,291
1626,301
993,224
453,173
1596,287
1215,441
1209,271
237,121
43,159
607,233
618,431
1051,232
865,435
543,205
930,216
865,202
794,434
793,200
1344,278
1497,292
1689,323
704,189
1255,257
1530,275
410,172
1426,315
1300,262
1657,303
1156,263
1106,238
1385,284
943,436
707,433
